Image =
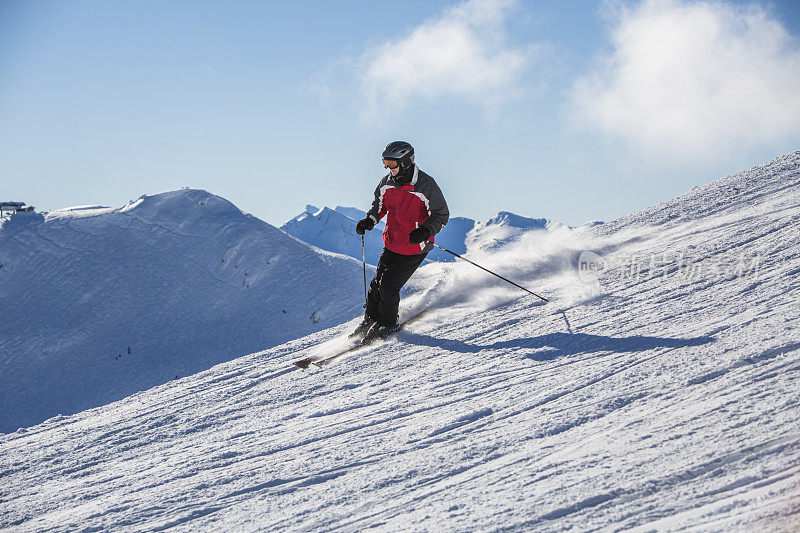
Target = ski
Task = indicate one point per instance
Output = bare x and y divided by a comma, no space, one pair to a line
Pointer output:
308,361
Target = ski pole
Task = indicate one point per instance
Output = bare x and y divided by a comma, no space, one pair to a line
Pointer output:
490,272
364,262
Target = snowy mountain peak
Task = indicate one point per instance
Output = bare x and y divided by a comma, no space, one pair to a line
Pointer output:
309,211
351,212
506,218
109,301
184,204
327,212
334,230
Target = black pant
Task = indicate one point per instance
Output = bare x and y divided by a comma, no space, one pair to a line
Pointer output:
394,270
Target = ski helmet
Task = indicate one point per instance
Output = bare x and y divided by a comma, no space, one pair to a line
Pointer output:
400,151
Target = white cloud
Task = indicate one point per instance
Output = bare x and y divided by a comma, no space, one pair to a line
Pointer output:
695,80
463,53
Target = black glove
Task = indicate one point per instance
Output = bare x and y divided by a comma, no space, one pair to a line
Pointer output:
418,235
365,225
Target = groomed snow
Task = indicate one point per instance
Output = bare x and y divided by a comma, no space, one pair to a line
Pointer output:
661,392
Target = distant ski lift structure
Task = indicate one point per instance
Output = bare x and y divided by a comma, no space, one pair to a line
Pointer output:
12,208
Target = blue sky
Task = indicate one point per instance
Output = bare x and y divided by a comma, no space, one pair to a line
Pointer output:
573,111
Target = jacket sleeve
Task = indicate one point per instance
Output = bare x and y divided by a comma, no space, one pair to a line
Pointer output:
378,209
439,212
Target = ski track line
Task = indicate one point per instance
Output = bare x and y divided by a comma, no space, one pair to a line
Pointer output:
691,518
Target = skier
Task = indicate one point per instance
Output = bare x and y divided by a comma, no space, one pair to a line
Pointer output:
416,212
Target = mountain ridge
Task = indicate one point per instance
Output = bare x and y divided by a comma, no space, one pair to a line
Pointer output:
167,285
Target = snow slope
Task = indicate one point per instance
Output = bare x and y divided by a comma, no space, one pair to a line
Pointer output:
659,390
104,302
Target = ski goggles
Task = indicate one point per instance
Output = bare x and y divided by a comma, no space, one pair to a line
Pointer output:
390,163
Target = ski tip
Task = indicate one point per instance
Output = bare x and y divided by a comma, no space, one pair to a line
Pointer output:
304,363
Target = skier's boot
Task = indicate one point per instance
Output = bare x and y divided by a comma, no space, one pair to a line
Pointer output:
380,331
362,329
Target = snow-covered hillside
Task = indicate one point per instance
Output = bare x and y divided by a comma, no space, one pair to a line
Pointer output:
659,390
103,302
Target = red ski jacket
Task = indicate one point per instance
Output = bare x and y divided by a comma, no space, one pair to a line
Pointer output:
419,203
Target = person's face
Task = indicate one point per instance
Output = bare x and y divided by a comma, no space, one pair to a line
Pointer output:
393,166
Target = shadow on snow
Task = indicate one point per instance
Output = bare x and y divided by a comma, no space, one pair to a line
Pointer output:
562,344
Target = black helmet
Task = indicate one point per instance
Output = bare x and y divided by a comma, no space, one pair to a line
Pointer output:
400,151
